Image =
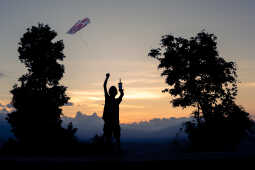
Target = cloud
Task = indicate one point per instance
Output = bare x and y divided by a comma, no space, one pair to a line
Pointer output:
5,128
88,125
91,125
136,94
69,104
10,106
247,84
6,107
155,129
2,75
132,93
3,112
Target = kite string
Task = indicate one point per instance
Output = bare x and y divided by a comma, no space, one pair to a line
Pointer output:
82,40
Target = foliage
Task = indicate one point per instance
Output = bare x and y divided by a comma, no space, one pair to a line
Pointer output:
198,77
39,96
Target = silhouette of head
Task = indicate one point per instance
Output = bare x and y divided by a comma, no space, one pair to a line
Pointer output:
113,91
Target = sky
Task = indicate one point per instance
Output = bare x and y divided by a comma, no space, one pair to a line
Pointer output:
118,40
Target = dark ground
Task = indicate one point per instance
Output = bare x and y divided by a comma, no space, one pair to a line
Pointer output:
133,155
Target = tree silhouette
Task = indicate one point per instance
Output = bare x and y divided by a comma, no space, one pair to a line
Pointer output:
200,78
39,96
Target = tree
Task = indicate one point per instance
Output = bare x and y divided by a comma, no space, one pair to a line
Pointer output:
198,77
39,96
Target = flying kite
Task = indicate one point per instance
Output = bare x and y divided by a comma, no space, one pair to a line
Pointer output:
79,25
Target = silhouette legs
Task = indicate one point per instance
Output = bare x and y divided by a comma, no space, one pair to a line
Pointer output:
111,130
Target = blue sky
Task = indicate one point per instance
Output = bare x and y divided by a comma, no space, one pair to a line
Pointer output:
118,40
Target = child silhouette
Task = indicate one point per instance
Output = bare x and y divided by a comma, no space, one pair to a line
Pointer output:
111,112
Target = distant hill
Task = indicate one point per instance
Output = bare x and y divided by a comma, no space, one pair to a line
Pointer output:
155,129
5,129
91,125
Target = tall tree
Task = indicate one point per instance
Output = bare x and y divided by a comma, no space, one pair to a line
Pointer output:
39,96
200,78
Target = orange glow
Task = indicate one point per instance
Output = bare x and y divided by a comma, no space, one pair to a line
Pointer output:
141,104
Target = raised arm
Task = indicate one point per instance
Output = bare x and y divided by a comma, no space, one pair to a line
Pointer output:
105,84
121,95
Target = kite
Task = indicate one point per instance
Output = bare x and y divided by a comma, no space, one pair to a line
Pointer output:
79,25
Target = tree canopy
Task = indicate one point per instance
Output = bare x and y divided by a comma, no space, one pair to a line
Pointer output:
198,77
39,96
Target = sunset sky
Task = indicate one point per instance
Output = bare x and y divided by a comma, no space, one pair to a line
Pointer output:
118,39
